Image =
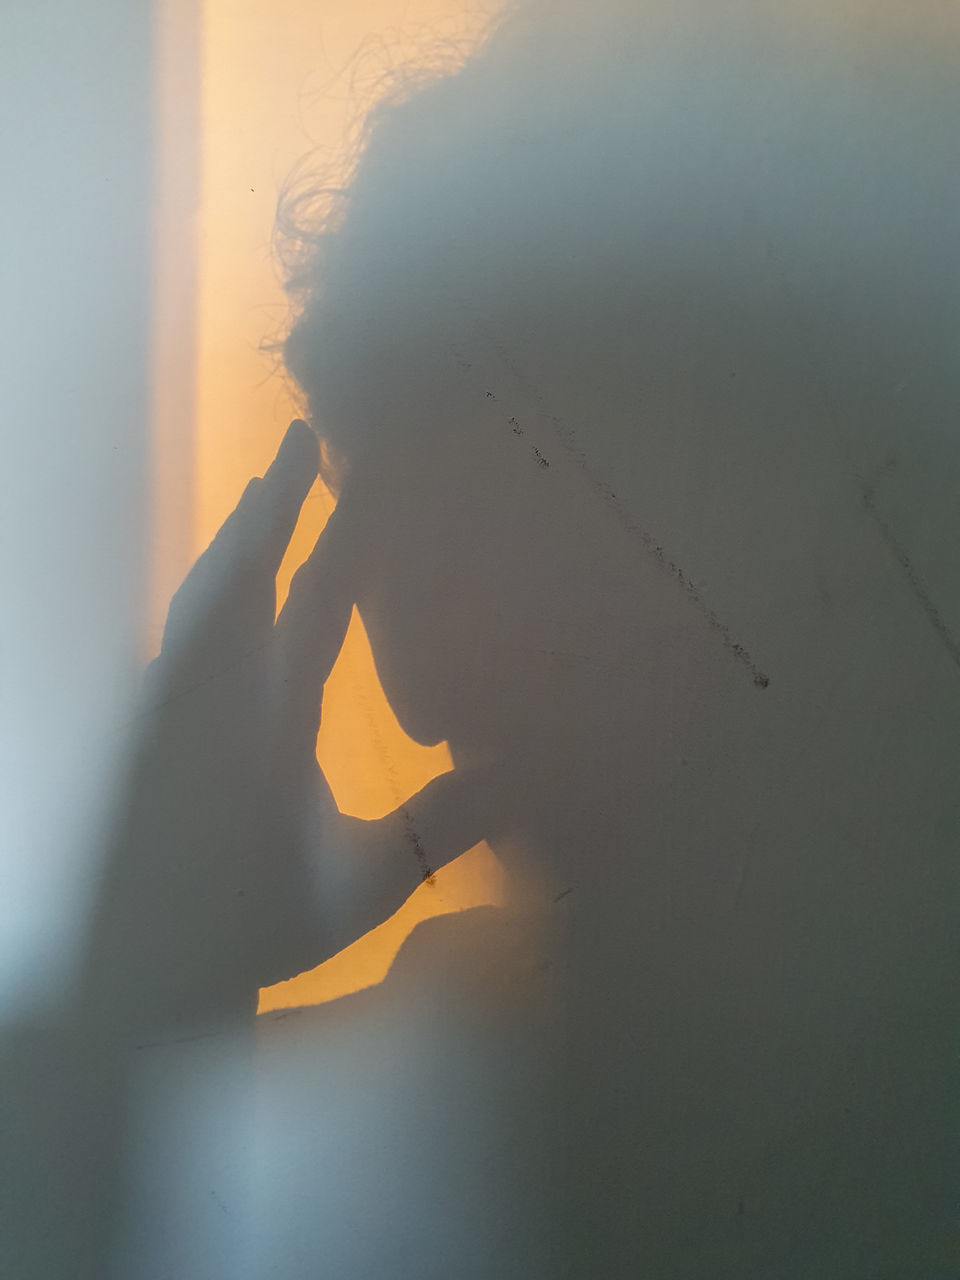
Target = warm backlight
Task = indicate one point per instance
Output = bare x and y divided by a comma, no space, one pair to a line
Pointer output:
273,81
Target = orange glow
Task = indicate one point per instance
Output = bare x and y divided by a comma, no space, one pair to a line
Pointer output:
263,67
174,284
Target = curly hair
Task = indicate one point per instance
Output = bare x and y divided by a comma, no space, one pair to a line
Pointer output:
685,178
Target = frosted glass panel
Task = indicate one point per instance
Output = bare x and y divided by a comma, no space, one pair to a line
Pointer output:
484,660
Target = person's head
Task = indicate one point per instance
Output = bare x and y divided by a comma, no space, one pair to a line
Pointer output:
700,255
658,188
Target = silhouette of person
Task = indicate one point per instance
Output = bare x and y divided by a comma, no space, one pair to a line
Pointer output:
631,348
632,345
211,885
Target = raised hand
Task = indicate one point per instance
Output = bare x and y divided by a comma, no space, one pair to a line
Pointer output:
232,868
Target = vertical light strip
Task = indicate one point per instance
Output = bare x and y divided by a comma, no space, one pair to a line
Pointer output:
174,299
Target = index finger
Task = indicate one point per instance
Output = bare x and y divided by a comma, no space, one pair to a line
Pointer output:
312,625
284,489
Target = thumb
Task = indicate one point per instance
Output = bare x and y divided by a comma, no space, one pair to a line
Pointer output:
310,631
440,822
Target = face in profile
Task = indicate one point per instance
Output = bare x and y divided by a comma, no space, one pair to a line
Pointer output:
489,595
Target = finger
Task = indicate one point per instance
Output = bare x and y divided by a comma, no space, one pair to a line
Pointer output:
256,534
228,597
257,530
284,489
222,550
371,868
322,594
311,630
199,598
253,540
443,820
367,870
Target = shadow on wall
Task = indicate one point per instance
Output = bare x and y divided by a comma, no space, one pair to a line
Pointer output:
653,317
